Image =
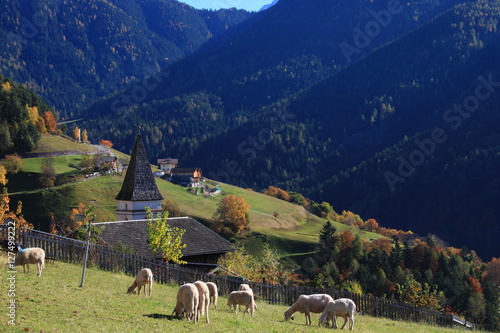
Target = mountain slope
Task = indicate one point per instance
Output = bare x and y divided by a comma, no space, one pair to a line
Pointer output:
315,141
282,50
73,52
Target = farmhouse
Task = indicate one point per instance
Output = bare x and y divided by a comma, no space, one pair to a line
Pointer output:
186,176
167,164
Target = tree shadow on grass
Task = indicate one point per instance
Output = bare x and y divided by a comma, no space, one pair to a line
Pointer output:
161,316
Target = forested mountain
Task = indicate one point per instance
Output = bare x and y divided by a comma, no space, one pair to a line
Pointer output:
327,99
73,52
282,50
230,109
23,118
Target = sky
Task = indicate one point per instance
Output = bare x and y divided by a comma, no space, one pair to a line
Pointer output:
250,5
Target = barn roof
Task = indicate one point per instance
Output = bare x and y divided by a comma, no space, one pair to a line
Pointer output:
199,239
139,183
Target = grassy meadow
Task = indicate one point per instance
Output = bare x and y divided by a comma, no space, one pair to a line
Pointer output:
294,231
54,302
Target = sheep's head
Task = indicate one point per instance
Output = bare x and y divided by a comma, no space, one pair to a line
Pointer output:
288,315
131,290
323,320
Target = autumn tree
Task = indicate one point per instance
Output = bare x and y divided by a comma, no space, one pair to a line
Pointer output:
492,272
50,121
85,136
3,175
264,267
106,143
164,239
16,216
76,134
412,292
231,217
172,208
13,163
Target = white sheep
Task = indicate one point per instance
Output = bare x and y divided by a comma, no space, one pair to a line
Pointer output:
308,303
245,286
143,278
214,293
187,301
244,297
33,255
342,307
204,299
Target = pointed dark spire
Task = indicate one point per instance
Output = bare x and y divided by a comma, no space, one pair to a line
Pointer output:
139,183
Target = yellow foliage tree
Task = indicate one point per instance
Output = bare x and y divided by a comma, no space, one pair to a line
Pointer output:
164,239
85,136
6,86
13,163
76,134
32,114
17,217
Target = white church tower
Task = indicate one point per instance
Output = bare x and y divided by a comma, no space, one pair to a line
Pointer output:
139,188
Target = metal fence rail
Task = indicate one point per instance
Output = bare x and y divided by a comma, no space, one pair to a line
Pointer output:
72,251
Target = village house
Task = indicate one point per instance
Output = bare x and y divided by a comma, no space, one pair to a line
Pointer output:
186,176
167,164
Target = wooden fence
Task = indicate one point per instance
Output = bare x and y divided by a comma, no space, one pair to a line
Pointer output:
71,250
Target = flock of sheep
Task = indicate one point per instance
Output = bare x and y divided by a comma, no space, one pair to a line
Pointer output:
194,299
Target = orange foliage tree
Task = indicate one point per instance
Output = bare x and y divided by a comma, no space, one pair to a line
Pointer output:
17,217
50,121
3,176
231,217
106,143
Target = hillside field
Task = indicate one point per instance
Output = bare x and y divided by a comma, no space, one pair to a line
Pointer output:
294,230
54,302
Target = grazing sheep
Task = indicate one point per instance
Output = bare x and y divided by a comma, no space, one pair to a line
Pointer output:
143,278
204,296
244,297
187,301
214,293
244,286
33,255
308,303
342,307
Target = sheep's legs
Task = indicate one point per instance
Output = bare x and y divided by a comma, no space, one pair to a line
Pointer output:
334,322
345,322
308,318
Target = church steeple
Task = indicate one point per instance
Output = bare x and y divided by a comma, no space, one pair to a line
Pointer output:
139,188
